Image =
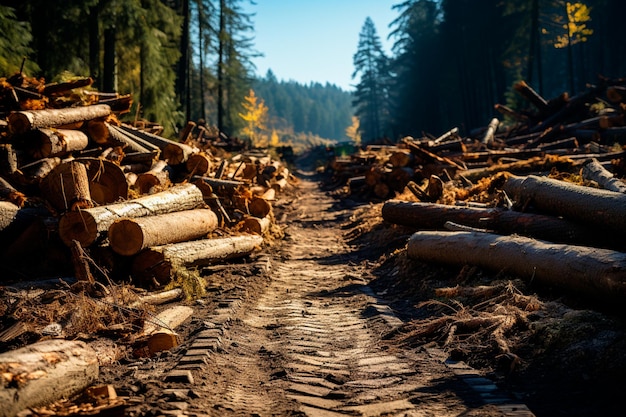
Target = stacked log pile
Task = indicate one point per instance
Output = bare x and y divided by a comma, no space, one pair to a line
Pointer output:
541,196
99,204
74,178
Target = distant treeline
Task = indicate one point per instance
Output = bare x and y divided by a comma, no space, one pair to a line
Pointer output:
323,110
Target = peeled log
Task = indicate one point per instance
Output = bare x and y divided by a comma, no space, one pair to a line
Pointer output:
156,265
256,225
44,372
23,121
130,236
431,216
585,204
599,273
86,226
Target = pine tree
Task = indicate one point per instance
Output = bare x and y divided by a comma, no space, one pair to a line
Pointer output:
234,66
371,96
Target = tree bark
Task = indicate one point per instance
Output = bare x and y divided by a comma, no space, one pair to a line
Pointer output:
160,330
57,142
427,216
87,226
593,170
23,121
66,187
107,182
256,225
156,266
173,152
130,236
593,206
45,372
157,176
590,272
198,164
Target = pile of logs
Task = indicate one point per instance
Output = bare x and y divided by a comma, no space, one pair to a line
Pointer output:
540,197
73,177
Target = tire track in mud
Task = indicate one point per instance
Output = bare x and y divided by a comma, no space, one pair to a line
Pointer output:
311,343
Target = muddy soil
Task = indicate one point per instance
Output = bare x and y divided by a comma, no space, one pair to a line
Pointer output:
334,320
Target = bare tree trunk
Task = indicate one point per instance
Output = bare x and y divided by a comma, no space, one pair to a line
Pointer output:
590,272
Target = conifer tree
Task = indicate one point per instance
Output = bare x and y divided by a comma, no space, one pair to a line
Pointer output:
371,98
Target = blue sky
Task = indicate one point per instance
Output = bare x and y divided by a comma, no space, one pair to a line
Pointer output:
315,40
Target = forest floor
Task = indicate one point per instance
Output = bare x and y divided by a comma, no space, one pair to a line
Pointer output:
334,320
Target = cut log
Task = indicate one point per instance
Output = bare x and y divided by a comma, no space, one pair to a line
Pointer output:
256,225
53,89
198,164
45,372
107,182
427,216
593,206
66,187
133,142
87,226
160,330
23,121
156,266
590,272
57,142
173,152
130,236
593,170
259,207
157,177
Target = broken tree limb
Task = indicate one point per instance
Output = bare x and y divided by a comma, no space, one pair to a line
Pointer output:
593,170
23,121
87,226
130,236
44,372
156,266
593,206
430,216
590,272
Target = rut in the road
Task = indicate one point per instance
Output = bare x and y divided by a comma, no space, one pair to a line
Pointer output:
311,343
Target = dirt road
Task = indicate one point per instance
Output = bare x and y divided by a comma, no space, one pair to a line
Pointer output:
308,341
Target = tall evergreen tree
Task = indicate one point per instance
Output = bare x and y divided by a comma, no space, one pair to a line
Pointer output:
234,65
371,100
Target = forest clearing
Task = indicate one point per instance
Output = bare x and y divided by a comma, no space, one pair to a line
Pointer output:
440,236
478,275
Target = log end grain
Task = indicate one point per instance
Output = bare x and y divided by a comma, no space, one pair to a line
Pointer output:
198,164
19,122
78,225
125,237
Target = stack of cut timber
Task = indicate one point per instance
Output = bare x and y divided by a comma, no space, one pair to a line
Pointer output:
72,173
542,198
